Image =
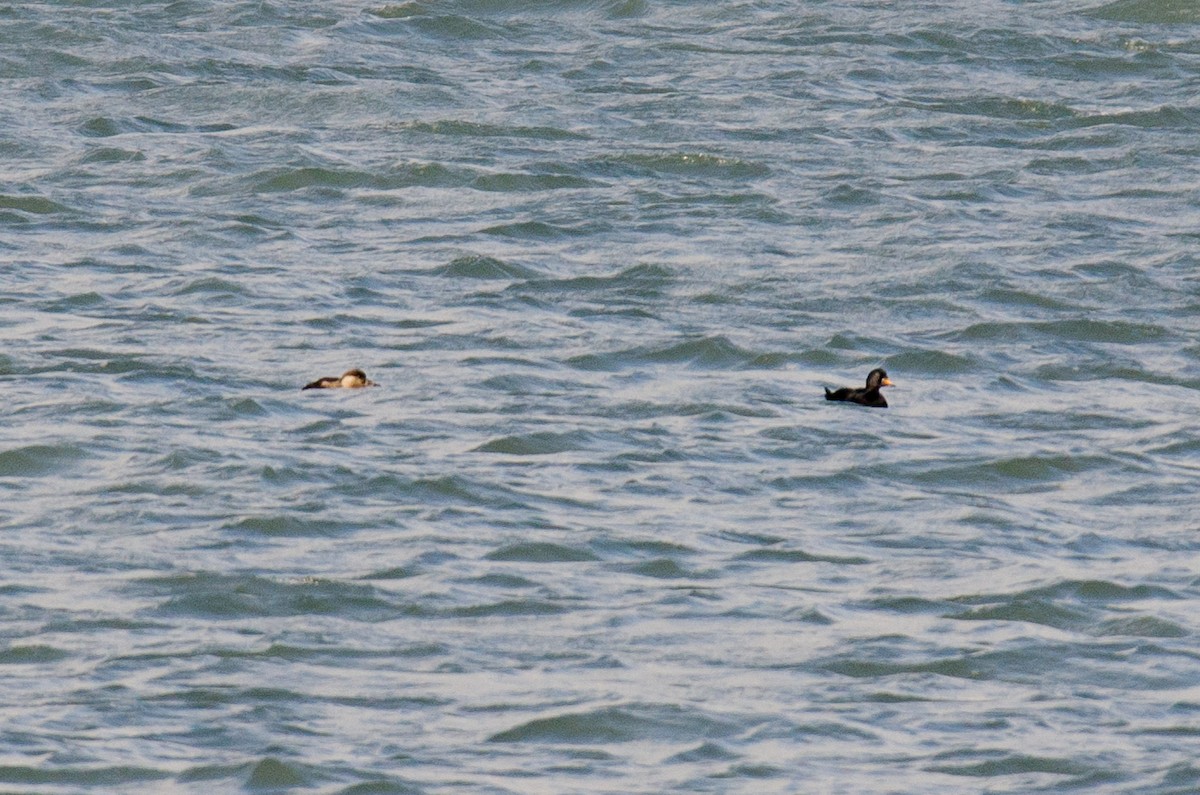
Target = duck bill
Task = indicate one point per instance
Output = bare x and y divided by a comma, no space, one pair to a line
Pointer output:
886,382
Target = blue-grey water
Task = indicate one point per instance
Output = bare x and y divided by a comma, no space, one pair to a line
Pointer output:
597,531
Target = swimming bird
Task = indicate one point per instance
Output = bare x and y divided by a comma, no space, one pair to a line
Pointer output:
351,379
868,396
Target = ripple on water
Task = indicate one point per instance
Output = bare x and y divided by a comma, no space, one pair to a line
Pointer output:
15,208
84,776
659,723
715,352
1018,472
666,569
529,183
286,525
41,460
1150,12
797,556
932,362
271,773
232,597
1073,330
542,230
462,127
1065,772
644,280
477,266
540,552
538,443
695,165
32,655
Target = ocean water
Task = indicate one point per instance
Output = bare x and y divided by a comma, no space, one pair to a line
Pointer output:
597,531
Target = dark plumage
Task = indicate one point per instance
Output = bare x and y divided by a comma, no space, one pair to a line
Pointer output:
869,396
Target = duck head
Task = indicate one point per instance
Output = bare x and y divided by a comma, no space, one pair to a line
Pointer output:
878,378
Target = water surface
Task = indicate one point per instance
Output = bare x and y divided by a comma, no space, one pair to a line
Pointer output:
597,531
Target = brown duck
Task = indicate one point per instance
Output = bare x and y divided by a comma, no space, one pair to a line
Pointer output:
351,379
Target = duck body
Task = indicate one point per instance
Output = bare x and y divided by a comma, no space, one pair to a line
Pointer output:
867,396
351,379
